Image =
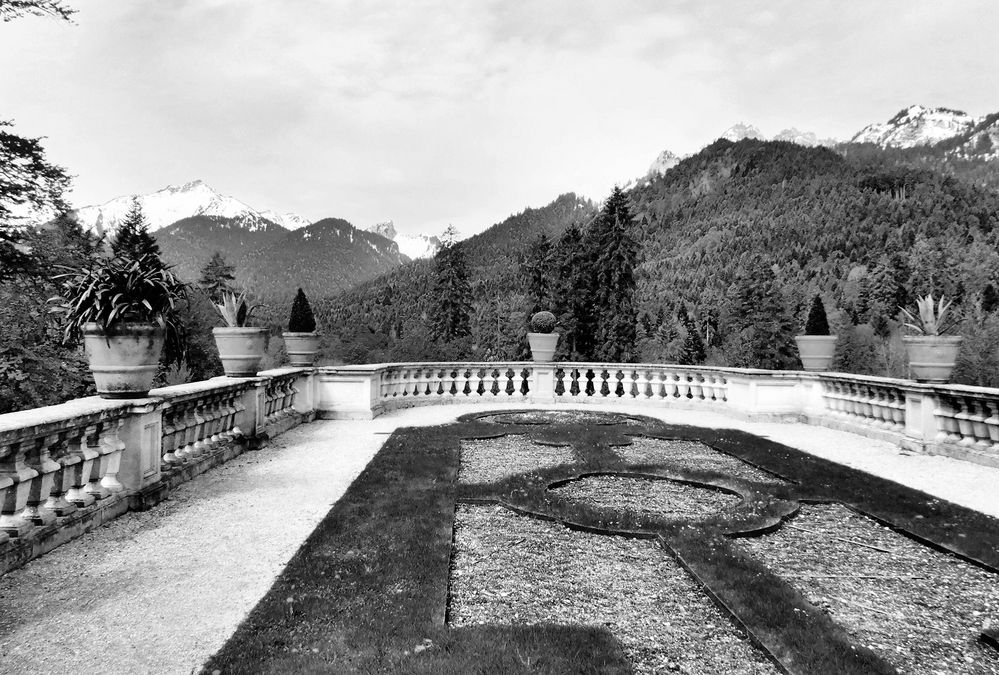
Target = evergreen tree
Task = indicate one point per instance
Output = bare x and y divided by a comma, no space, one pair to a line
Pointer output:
217,276
692,351
452,292
573,294
614,254
760,329
538,271
132,240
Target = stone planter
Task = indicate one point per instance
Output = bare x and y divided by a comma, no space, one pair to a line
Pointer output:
932,357
301,347
816,351
123,362
241,349
543,345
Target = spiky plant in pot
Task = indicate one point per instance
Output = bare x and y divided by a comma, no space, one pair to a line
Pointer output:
241,347
816,347
301,341
932,353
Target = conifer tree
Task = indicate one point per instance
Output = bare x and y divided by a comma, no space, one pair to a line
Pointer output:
760,331
692,350
538,270
132,240
452,292
614,253
573,293
217,276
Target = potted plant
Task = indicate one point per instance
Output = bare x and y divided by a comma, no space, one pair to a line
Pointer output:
816,346
542,337
932,353
241,347
125,310
301,340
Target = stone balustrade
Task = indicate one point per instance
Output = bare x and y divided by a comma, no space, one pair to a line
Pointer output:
67,468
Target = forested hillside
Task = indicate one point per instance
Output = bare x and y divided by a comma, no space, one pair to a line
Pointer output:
868,229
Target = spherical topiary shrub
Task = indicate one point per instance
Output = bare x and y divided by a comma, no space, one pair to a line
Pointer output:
543,322
817,323
302,320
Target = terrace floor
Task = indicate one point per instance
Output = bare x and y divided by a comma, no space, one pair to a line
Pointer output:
161,591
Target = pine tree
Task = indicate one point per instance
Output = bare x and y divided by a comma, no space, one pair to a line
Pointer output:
537,270
692,350
217,276
760,329
452,292
614,254
132,240
573,293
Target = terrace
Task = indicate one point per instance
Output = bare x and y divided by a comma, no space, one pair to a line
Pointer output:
174,533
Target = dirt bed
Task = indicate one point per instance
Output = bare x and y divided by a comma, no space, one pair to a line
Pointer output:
692,456
510,569
665,499
493,459
919,609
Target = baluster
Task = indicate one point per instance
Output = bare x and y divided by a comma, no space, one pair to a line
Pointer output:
19,476
509,388
112,442
948,431
977,414
101,461
39,458
80,471
67,456
964,424
200,447
644,385
696,386
216,419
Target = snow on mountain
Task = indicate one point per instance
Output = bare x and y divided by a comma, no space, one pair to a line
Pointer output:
664,162
806,138
741,130
176,202
917,125
982,141
412,246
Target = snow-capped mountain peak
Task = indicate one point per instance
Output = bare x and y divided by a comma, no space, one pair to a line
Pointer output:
412,246
176,202
741,130
664,162
917,125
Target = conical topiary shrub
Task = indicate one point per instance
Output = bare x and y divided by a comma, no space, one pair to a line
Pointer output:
301,340
816,347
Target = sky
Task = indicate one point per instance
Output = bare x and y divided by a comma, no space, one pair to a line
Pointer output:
438,112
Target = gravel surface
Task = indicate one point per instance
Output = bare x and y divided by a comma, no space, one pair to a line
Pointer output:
921,610
160,591
510,569
559,417
692,455
493,459
664,499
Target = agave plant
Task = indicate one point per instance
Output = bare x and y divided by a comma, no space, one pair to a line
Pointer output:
933,319
234,309
114,291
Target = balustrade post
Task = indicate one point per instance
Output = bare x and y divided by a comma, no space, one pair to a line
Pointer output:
542,386
305,398
921,423
143,436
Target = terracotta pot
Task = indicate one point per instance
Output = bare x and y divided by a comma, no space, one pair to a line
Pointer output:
932,357
816,351
241,349
125,360
543,345
301,347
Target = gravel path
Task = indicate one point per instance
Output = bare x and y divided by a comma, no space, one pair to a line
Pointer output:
493,459
510,569
692,456
665,499
160,591
919,609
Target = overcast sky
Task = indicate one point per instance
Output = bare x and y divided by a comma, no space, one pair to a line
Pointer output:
461,111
